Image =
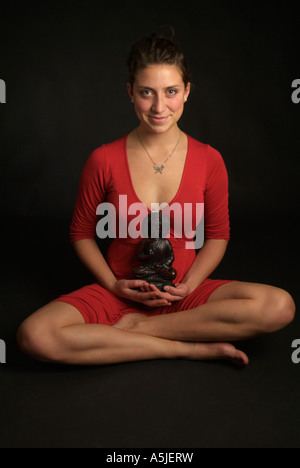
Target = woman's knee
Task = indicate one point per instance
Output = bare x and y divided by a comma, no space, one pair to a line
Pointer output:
277,309
28,338
40,334
35,340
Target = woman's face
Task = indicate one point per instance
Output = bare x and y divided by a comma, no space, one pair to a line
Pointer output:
159,94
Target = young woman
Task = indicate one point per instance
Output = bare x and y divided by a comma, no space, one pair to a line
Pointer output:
118,318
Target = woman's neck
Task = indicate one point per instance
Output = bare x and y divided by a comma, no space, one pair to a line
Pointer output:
153,139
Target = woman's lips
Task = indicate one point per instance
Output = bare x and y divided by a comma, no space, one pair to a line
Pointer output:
158,119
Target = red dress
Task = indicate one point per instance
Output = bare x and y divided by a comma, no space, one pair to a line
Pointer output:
106,178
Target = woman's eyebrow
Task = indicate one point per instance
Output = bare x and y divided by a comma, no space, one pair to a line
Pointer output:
152,89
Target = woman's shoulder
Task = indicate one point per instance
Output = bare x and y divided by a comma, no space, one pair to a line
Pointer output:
113,148
204,150
104,157
99,166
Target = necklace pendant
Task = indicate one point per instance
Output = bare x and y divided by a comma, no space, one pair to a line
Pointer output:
158,169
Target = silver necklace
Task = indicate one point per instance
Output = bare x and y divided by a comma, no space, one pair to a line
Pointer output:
158,169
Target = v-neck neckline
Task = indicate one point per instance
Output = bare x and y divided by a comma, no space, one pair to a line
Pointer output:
131,182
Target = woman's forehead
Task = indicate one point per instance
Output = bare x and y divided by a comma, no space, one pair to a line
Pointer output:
159,75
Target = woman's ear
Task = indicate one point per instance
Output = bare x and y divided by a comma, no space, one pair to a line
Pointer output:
187,91
130,91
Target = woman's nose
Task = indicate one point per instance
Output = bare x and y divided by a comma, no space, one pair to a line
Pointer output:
158,105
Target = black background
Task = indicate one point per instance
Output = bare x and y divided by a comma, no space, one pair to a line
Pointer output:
64,68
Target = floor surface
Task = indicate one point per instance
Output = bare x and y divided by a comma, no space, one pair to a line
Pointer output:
144,404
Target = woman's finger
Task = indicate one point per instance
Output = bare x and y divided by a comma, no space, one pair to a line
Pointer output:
133,284
153,303
141,296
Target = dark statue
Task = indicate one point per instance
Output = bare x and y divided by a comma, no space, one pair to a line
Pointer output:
156,256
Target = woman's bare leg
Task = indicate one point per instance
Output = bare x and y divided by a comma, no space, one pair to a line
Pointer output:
58,333
235,311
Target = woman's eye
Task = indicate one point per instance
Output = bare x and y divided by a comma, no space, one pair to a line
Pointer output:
172,92
146,92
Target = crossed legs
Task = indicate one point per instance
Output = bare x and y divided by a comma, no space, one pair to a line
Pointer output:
235,311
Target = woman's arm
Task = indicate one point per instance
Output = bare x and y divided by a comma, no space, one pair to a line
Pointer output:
206,261
91,256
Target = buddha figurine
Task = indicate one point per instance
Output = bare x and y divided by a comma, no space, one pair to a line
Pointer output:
156,256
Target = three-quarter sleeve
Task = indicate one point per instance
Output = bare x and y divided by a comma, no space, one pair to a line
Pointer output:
216,213
90,194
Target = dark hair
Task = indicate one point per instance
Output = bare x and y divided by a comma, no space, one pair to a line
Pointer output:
157,49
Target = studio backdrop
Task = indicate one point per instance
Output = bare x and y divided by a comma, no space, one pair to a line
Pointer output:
63,93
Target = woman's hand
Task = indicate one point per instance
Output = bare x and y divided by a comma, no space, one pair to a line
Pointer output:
171,294
180,291
140,291
149,294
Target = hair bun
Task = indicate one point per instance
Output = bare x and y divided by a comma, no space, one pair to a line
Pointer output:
157,49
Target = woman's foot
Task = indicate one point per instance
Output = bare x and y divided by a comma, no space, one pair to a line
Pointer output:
214,351
201,351
129,321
